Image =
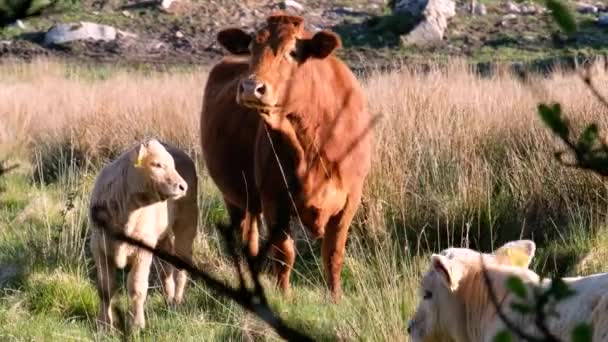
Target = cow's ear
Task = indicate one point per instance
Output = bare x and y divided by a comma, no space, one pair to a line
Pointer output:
448,271
138,154
235,40
322,44
516,253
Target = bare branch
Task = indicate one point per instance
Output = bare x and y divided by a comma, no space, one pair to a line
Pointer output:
253,300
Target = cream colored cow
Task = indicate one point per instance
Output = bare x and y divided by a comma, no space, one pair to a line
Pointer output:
455,303
150,194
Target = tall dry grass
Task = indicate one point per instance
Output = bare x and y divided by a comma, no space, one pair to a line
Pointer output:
458,158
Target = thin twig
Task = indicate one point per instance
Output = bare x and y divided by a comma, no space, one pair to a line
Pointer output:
253,300
494,299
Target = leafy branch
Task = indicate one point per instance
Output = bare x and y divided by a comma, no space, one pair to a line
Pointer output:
589,153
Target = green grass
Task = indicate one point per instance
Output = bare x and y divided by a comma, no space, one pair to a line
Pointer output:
48,291
460,160
51,295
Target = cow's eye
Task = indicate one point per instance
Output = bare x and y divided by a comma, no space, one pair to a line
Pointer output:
293,54
157,165
427,295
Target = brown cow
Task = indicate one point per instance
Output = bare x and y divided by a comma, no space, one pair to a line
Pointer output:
309,154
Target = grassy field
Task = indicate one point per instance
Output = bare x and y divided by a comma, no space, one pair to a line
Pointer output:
459,160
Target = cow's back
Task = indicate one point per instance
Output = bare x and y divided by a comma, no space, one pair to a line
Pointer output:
228,133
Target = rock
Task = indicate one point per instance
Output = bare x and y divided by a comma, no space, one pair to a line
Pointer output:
507,19
166,4
291,5
431,29
529,9
20,24
480,9
65,33
600,6
127,14
582,7
179,34
512,7
603,20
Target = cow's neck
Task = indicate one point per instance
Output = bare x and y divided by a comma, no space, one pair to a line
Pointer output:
480,314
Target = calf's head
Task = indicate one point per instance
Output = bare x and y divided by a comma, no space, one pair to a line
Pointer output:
440,313
276,51
155,170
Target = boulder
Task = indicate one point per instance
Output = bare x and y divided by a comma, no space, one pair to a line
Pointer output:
431,28
291,5
603,20
65,33
512,7
165,5
583,7
480,9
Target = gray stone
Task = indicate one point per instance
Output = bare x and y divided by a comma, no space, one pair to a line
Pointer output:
584,8
480,9
529,9
433,25
292,5
603,20
512,7
65,33
166,4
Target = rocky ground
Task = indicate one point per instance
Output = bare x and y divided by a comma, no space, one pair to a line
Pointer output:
372,33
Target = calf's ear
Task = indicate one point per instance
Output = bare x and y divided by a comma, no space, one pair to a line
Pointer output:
449,272
138,155
516,253
235,40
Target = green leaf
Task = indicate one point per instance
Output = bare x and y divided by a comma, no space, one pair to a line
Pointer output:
562,16
552,117
560,290
588,138
516,285
521,308
503,336
582,333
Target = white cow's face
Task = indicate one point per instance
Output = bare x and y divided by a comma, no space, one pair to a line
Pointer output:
441,311
438,304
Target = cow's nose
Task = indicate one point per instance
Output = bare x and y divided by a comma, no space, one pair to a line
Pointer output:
409,327
252,88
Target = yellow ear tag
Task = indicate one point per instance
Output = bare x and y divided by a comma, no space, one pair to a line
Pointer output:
139,160
517,257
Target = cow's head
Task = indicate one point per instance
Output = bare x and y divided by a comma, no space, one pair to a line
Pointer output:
441,311
155,172
276,51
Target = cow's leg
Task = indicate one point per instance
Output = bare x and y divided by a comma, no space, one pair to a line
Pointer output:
334,243
282,247
247,222
185,229
167,270
106,282
137,285
251,226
